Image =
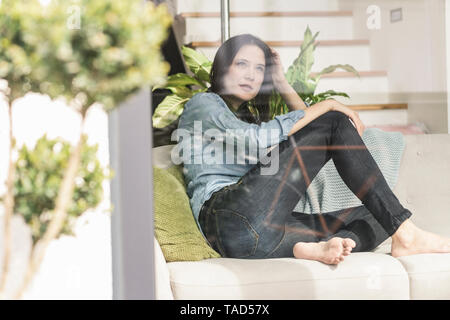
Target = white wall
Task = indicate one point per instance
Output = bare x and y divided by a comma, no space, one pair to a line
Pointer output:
447,37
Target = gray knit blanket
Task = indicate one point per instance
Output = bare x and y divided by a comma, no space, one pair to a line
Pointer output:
327,192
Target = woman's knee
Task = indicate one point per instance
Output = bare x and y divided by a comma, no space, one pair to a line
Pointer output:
333,119
324,123
332,116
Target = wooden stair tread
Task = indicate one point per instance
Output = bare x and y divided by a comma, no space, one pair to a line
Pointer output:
293,43
380,106
269,14
344,74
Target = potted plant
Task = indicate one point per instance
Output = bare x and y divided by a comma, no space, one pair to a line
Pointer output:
17,60
110,53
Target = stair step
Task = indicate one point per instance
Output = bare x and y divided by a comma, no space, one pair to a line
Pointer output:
258,5
270,25
344,74
384,117
248,14
351,85
382,114
356,55
292,43
381,106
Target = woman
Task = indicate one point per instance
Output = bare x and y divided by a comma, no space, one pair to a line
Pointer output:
246,212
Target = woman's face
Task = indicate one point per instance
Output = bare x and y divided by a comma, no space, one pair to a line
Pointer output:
245,75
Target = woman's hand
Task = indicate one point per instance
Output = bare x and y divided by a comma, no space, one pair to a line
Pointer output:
353,115
278,77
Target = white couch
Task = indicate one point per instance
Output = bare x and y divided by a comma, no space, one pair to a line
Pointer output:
423,187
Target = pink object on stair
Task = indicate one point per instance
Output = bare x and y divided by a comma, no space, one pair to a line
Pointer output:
413,128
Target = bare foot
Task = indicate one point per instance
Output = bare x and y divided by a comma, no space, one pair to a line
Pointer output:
329,252
409,240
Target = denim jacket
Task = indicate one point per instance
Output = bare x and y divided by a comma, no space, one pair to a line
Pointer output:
210,133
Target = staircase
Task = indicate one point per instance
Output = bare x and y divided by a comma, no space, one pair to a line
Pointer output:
281,24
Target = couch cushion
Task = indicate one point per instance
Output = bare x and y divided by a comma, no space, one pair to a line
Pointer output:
429,275
384,247
175,226
359,276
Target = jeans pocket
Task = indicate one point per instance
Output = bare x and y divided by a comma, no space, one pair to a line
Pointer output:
236,237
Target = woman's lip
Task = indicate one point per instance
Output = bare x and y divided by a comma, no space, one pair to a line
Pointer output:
246,87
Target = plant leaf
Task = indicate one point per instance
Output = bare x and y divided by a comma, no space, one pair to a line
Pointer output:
182,92
330,93
333,68
198,63
207,66
305,87
169,110
300,69
180,79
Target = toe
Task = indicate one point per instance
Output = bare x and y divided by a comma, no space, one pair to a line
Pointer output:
349,243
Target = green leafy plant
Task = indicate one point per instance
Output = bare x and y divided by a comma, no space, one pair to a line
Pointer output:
17,61
298,75
39,173
89,52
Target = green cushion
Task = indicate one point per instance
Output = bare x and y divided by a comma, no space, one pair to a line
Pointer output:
175,227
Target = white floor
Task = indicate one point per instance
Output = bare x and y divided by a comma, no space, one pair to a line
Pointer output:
76,267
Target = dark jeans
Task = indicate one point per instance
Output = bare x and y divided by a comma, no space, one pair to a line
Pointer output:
254,217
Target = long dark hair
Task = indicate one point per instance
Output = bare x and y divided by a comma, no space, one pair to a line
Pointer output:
222,61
